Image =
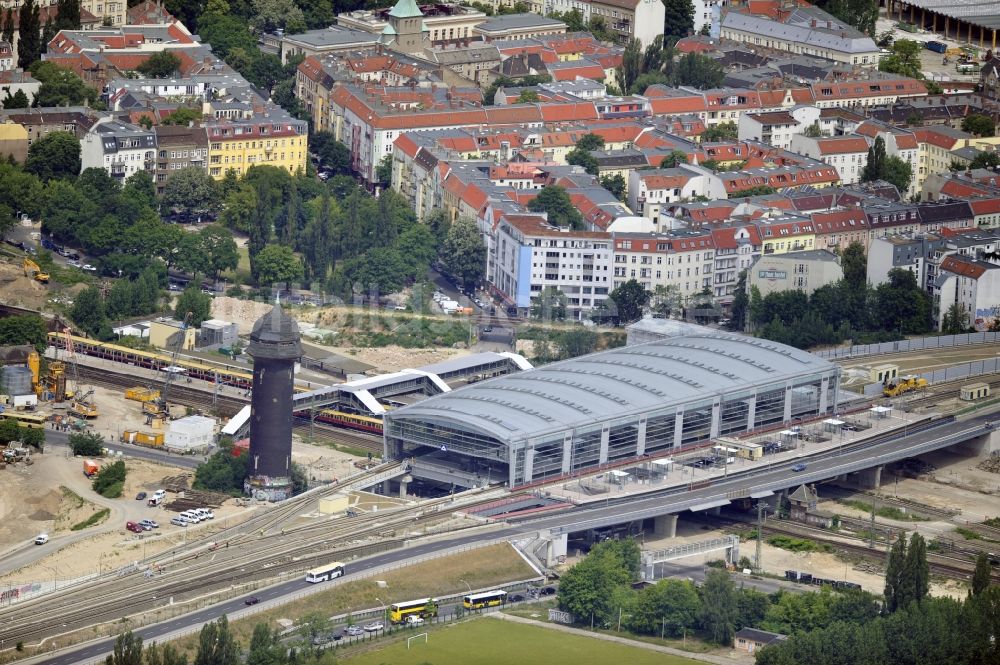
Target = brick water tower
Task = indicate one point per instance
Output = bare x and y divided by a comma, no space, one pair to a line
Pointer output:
274,345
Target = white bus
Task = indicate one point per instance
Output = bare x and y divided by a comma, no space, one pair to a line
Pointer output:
324,573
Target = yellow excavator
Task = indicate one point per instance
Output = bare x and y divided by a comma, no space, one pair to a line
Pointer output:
31,269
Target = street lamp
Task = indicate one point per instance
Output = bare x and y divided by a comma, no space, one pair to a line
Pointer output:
385,611
466,584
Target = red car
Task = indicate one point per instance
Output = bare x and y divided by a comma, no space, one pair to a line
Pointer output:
134,527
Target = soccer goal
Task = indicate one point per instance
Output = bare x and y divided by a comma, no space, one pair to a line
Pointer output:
415,637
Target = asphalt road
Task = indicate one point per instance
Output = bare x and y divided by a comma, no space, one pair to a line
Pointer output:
61,439
825,465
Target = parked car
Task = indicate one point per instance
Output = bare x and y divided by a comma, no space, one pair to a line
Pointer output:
354,630
515,598
252,600
140,496
41,539
204,513
134,527
89,268
374,626
414,620
179,521
799,467
152,524
73,264
548,591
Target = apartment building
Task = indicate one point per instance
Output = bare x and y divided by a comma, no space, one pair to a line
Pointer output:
236,145
974,285
847,154
532,255
681,260
178,148
650,190
120,148
332,39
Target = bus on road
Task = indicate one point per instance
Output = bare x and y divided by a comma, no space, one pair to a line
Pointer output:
477,601
422,608
327,572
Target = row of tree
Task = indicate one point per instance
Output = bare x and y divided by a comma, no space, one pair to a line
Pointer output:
848,309
659,63
218,645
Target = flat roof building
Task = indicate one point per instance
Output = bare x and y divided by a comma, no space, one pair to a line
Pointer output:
616,405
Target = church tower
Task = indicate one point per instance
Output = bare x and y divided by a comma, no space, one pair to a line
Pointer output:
406,30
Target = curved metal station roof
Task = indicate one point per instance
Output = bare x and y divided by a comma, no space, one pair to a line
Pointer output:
977,12
601,386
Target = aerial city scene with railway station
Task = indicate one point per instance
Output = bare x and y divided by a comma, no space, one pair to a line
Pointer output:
581,332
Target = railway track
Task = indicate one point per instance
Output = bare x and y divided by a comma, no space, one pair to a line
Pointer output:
251,557
938,392
228,406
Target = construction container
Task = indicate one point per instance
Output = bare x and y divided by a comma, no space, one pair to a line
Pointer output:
337,503
974,391
142,394
16,380
191,434
90,467
883,373
143,438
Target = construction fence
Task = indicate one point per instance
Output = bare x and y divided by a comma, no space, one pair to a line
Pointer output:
907,345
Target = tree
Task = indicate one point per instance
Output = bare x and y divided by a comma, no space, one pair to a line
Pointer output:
698,71
110,480
916,577
33,437
985,160
549,305
223,471
333,154
270,15
220,249
854,263
168,655
194,301
25,329
593,589
724,131
217,645
127,651
900,304
590,141
555,201
898,172
615,184
18,100
860,14
68,15
55,155
160,65
630,299
978,124
679,19
904,59
383,172
895,568
875,166
60,87
719,607
757,190
265,649
956,320
631,66
528,96
9,431
278,264
29,46
182,116
190,190
741,304
88,311
7,29
580,157
668,607
674,159
813,131
463,252
86,444
981,575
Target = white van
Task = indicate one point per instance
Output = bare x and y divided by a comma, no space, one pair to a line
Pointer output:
204,513
159,494
41,539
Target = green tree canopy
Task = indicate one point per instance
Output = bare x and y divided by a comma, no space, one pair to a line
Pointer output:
194,301
555,201
190,190
60,87
463,252
978,124
678,19
719,607
183,116
86,444
55,155
549,305
674,159
698,71
724,131
630,298
162,64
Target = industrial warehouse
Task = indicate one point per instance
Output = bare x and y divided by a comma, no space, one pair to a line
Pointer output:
619,404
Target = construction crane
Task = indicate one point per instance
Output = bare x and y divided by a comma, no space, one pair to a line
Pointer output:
82,406
31,269
159,407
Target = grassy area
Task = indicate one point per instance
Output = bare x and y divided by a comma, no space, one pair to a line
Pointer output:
72,496
484,567
969,534
96,518
798,544
888,512
492,642
993,522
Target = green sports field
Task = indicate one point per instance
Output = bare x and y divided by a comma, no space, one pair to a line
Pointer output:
494,642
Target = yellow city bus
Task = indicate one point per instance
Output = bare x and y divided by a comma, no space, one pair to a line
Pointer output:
32,420
477,601
422,608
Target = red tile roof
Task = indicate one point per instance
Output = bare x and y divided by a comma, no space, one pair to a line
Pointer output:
960,265
842,145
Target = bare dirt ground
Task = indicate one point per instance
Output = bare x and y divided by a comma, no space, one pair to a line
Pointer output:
323,463
32,502
19,290
387,359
